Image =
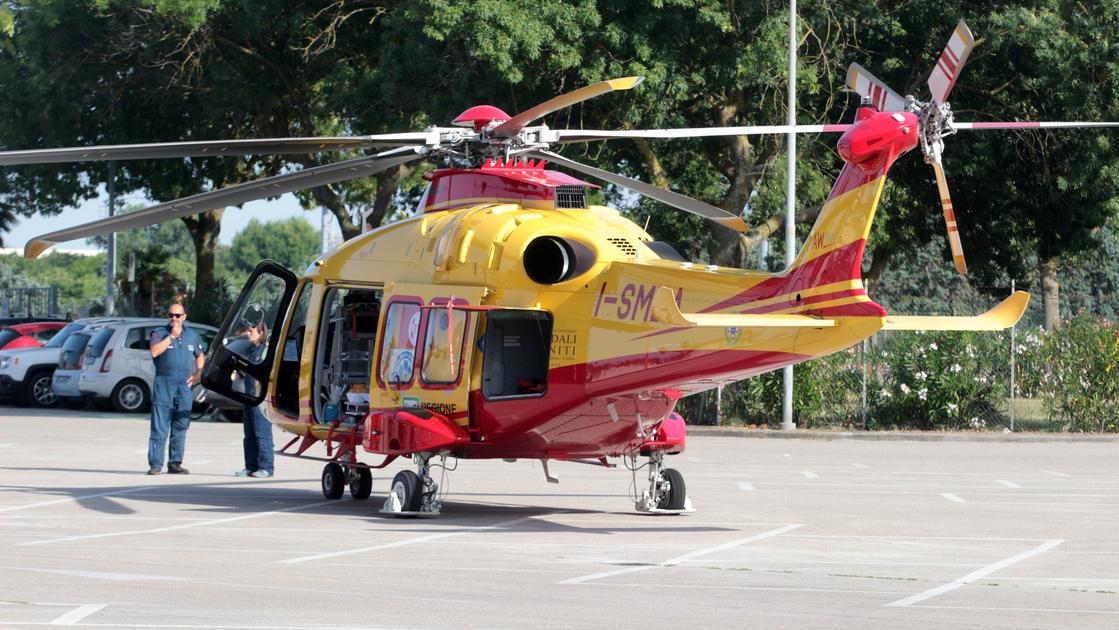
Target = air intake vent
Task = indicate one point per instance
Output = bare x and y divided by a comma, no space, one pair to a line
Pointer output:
568,197
628,248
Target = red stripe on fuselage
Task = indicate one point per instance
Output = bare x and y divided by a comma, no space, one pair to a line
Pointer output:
572,418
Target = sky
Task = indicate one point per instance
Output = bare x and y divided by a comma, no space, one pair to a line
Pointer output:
233,221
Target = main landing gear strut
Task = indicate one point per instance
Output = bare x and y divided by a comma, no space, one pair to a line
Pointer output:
666,493
414,493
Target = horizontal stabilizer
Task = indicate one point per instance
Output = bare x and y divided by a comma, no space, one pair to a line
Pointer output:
668,312
1004,315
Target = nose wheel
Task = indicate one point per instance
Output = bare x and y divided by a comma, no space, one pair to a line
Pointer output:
414,493
667,493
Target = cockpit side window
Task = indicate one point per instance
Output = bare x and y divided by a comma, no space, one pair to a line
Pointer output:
398,345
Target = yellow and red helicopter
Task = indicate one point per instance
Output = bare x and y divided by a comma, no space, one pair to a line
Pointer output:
508,318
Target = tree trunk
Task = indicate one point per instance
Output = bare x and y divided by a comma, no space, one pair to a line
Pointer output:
874,274
388,182
1051,294
208,303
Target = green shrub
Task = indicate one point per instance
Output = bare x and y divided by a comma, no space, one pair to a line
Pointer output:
940,380
1081,384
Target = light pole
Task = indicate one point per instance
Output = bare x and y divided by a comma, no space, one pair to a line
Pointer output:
790,197
111,256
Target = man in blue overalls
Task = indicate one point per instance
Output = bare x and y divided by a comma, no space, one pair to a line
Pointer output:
177,354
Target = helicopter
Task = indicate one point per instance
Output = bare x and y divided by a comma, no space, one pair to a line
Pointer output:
509,318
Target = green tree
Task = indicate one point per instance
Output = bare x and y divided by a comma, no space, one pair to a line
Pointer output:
293,243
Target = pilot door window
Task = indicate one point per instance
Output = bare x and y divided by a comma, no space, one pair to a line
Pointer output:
515,349
398,350
347,332
443,345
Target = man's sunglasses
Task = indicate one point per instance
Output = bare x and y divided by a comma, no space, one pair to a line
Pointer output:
176,315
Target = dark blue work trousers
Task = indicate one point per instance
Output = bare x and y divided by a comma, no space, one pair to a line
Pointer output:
258,441
171,403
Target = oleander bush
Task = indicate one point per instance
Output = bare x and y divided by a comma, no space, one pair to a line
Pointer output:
1080,383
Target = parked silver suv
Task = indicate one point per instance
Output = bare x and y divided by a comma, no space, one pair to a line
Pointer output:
118,363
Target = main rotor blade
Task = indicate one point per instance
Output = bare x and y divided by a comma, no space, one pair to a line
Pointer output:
229,196
209,148
562,136
979,126
951,61
513,126
949,216
869,87
676,200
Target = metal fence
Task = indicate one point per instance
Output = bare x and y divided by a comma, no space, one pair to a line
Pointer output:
29,302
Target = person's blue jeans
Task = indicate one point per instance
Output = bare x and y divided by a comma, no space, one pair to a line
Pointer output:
171,403
258,441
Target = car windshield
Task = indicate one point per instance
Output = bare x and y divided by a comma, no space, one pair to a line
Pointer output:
58,340
6,336
98,343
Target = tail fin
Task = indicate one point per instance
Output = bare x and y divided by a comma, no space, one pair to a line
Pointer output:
828,269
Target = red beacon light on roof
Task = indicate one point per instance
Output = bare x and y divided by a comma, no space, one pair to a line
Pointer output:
479,116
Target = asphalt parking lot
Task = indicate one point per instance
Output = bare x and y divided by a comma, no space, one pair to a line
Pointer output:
787,533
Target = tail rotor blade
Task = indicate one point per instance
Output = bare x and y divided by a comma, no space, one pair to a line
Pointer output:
513,126
949,217
869,87
951,61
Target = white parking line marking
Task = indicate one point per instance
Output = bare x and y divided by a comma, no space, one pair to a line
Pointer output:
1054,473
809,474
7,444
112,577
156,530
80,498
975,575
1062,611
1008,484
409,541
684,558
76,615
745,486
951,497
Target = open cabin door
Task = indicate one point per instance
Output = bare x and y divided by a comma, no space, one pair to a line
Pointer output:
426,348
236,366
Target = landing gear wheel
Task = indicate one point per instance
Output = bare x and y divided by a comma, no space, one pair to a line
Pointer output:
333,481
361,483
406,489
673,492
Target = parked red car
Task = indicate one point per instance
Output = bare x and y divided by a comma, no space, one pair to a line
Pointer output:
28,335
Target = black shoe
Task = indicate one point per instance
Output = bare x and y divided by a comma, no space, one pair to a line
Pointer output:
177,469
155,470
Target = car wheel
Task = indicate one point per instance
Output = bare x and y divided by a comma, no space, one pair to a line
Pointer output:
130,396
38,390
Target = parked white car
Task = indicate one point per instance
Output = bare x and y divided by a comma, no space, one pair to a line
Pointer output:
25,373
118,366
